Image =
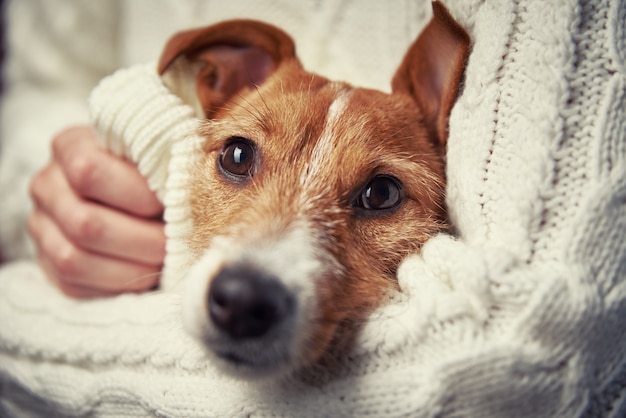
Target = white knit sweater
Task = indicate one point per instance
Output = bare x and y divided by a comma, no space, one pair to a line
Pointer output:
521,315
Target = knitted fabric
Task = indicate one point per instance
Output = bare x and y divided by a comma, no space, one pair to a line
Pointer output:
519,315
138,118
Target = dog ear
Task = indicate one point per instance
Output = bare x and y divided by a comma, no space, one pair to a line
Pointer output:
207,66
432,70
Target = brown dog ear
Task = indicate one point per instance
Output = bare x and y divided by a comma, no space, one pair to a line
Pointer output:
432,70
207,66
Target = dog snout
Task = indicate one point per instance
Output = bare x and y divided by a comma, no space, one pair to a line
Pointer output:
246,303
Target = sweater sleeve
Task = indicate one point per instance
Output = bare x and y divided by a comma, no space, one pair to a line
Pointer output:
138,118
520,315
56,53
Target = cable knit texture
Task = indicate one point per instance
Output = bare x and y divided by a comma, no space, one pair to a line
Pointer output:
520,315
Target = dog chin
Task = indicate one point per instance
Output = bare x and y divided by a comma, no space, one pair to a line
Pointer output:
253,364
253,360
278,351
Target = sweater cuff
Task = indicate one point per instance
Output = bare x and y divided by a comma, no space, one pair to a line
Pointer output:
138,118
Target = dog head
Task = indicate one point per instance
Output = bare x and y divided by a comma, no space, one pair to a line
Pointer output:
309,192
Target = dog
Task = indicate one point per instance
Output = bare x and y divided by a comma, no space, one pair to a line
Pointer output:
309,192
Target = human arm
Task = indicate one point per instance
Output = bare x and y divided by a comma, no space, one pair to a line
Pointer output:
56,53
83,229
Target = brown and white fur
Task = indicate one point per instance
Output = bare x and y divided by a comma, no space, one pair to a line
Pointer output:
309,192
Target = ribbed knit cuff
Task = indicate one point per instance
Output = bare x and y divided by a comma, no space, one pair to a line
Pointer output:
138,118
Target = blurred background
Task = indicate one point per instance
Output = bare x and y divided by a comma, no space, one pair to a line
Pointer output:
1,47
1,61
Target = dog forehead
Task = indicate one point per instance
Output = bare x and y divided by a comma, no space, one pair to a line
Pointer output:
318,131
298,109
367,130
326,142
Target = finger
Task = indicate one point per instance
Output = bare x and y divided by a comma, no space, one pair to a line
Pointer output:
77,292
97,228
83,274
96,174
37,229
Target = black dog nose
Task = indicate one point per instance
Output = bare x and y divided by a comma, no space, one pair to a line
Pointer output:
246,303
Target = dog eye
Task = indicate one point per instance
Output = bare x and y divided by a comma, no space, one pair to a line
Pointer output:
237,158
382,192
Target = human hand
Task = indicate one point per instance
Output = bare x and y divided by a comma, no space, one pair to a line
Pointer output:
96,224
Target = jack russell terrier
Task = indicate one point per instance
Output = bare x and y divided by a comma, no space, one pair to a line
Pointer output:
309,192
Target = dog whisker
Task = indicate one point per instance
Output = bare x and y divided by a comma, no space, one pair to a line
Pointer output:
129,283
402,129
267,108
310,91
257,114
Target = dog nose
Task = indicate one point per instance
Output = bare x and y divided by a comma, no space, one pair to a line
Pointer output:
246,303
